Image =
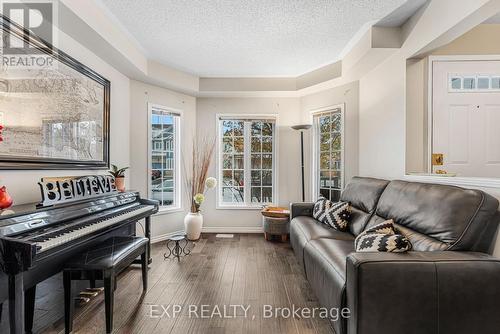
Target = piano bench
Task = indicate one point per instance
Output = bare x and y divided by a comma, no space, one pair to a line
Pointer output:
104,261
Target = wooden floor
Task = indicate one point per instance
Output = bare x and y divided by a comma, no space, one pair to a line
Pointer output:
244,270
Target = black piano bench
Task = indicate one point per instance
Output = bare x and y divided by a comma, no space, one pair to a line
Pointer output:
104,261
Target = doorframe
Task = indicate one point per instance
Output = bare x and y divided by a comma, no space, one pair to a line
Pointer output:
430,91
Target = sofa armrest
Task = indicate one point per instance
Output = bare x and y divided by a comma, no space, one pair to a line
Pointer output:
423,292
301,209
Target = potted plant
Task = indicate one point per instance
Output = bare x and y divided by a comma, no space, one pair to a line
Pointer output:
197,185
119,175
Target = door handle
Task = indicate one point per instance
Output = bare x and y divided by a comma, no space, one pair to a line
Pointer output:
437,159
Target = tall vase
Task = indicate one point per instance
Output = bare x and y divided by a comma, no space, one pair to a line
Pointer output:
193,222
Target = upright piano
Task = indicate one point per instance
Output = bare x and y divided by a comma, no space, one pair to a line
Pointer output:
35,242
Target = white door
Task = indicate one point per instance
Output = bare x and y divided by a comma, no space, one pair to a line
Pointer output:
466,117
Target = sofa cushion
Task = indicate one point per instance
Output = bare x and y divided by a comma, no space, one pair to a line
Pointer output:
363,194
325,266
436,217
304,229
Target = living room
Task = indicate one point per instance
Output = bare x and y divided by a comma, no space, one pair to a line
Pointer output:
264,166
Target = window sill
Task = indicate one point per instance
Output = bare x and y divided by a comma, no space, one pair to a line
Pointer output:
166,210
239,207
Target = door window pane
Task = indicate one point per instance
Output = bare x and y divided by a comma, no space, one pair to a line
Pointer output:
469,83
495,83
456,83
483,83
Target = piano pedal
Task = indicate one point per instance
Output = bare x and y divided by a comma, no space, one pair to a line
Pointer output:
80,301
84,297
89,294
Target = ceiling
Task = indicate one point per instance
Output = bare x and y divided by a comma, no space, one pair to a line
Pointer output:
253,38
495,19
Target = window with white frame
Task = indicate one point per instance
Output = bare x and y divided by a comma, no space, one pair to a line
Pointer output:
246,161
164,156
328,132
474,83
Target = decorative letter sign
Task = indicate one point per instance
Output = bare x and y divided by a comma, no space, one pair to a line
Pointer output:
55,191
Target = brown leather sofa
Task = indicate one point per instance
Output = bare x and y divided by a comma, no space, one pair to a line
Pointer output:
447,284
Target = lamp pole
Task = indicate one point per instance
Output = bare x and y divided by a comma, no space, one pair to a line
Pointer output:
302,128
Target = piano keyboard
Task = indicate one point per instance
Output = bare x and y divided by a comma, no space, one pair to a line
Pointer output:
45,242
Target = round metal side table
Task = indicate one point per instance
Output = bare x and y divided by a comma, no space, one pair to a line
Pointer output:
177,246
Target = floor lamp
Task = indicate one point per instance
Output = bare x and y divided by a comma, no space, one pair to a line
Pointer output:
302,128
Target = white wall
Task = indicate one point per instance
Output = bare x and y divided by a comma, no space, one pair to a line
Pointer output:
22,185
383,93
140,95
416,116
481,40
288,111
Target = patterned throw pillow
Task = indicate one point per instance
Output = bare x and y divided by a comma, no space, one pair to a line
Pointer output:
319,208
383,237
335,215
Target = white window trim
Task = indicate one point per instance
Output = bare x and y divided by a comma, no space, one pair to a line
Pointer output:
315,147
246,206
177,206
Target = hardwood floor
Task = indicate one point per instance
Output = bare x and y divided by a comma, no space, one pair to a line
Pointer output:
245,270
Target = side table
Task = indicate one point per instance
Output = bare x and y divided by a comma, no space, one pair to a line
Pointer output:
276,222
175,249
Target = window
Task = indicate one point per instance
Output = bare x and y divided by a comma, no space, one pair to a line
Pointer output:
469,83
246,161
474,83
164,161
328,132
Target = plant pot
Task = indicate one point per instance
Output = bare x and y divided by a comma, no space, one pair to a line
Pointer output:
193,222
120,183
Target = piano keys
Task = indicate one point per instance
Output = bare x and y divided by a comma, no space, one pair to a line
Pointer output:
36,242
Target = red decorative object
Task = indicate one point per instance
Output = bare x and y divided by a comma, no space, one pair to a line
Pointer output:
5,199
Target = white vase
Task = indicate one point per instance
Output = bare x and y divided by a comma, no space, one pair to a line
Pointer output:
193,222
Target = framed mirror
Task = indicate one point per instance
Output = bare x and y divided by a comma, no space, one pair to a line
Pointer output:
54,111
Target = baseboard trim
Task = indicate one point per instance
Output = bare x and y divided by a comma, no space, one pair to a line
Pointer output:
163,237
210,229
231,229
